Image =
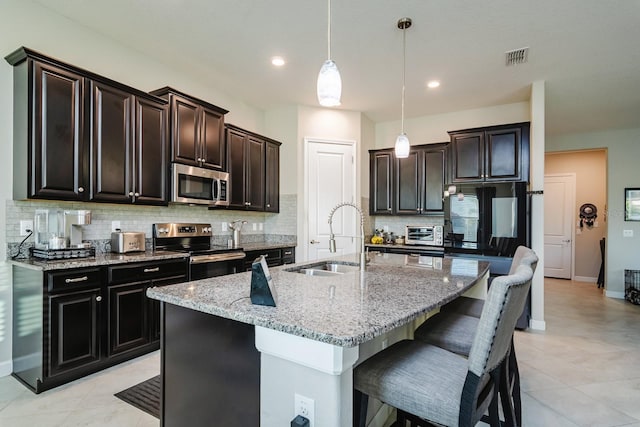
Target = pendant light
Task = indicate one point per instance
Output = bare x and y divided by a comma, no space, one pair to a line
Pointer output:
402,142
329,82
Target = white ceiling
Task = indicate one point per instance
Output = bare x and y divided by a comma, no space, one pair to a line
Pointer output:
586,51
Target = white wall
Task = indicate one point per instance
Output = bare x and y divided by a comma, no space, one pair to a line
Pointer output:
433,129
623,152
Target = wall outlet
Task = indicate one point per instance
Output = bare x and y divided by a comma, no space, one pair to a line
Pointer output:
25,224
260,226
305,406
225,226
255,226
115,225
627,233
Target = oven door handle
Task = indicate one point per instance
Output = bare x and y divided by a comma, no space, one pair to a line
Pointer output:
229,256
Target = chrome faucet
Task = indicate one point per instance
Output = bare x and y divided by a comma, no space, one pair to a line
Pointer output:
332,237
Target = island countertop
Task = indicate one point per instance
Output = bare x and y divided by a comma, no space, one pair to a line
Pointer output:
344,310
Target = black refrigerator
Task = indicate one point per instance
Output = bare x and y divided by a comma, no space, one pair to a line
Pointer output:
489,221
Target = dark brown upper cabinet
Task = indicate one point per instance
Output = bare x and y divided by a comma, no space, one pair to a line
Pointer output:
381,182
50,158
419,181
246,167
197,130
409,186
495,153
272,182
129,147
81,136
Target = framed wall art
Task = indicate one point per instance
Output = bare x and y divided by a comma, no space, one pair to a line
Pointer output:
632,204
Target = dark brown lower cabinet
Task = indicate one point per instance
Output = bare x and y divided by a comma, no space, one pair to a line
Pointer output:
274,257
128,317
92,318
74,331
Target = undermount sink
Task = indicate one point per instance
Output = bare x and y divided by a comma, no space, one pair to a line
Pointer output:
325,269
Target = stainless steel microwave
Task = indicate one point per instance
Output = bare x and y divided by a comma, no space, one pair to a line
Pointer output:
193,185
428,235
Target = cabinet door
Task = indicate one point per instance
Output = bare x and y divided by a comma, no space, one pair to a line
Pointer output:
380,182
57,169
434,168
185,129
503,154
467,151
111,144
151,162
408,183
212,139
254,170
128,317
236,168
272,184
74,332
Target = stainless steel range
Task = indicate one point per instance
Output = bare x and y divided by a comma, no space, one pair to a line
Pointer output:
206,260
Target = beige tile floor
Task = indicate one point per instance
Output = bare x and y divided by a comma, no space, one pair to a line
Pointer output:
584,370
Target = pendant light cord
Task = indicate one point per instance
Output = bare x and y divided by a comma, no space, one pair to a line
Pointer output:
329,30
404,72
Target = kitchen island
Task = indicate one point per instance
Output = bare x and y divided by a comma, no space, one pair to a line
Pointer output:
229,362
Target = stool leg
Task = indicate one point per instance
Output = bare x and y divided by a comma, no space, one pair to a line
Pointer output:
514,374
360,404
504,391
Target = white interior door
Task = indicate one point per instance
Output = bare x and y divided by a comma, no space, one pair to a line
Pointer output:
559,206
330,176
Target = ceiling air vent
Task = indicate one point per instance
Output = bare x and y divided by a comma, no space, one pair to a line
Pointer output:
517,56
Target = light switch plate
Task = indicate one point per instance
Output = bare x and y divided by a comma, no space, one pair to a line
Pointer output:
627,233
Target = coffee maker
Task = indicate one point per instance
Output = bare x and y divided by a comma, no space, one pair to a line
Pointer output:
58,229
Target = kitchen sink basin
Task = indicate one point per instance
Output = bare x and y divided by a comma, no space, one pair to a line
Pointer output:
325,269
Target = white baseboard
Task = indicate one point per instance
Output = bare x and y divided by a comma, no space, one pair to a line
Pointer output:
585,279
614,294
6,368
538,325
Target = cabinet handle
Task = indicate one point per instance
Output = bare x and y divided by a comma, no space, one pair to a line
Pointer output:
247,203
288,252
136,194
389,208
98,298
151,270
80,189
268,205
130,193
77,279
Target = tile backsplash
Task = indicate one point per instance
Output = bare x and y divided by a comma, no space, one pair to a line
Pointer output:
260,225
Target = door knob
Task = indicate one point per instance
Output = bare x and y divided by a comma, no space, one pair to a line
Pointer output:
566,241
314,242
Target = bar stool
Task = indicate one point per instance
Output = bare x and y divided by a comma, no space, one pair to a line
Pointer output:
454,329
426,382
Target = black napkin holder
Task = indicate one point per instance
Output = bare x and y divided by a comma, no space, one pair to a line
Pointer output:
263,291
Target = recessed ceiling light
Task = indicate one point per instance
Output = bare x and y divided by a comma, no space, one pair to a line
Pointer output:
278,61
433,84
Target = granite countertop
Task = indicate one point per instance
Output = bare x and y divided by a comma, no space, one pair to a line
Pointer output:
98,260
344,310
259,246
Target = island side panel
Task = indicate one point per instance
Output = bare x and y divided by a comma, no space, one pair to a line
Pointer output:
210,370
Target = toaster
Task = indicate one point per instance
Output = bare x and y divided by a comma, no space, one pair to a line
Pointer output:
127,241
